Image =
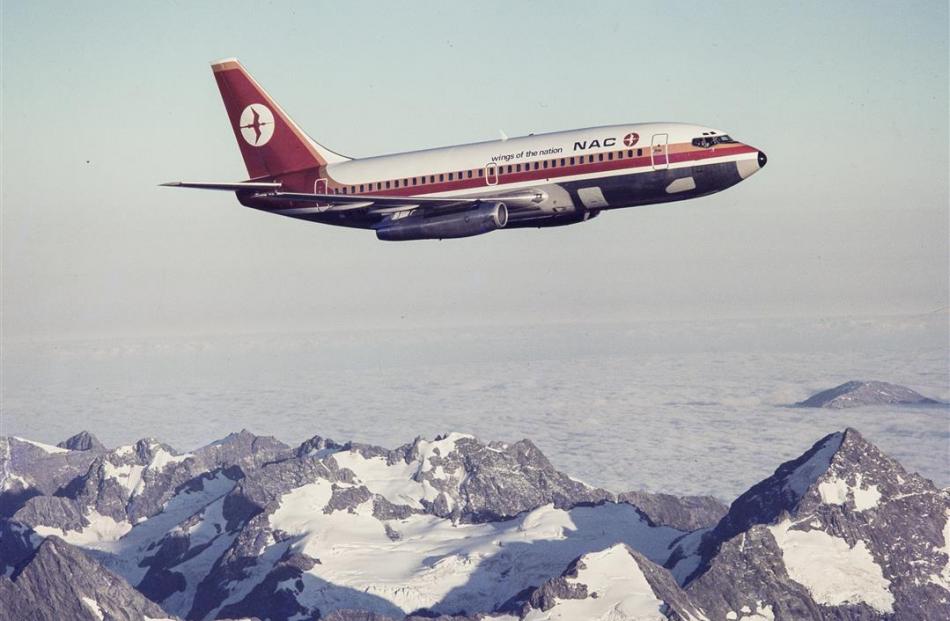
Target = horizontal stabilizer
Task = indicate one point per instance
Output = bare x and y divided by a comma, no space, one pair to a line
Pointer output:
263,186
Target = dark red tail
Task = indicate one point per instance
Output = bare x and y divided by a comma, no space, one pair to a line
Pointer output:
271,143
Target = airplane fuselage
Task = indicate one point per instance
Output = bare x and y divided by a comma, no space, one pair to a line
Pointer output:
572,175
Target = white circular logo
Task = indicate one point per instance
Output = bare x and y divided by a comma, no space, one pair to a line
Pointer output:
257,124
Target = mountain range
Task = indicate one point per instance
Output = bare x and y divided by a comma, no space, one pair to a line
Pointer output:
455,528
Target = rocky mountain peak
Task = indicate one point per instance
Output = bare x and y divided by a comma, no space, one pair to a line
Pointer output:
857,393
243,448
317,446
844,526
780,493
82,441
842,468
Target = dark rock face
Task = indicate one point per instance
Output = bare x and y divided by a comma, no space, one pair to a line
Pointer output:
843,532
29,469
17,546
856,393
497,481
243,448
61,582
82,441
680,512
317,447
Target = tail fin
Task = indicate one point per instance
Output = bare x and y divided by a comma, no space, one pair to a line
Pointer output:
270,141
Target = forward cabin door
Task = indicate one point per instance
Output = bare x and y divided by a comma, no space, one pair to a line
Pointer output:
320,186
660,152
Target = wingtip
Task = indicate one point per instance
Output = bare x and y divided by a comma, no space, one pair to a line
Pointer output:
170,184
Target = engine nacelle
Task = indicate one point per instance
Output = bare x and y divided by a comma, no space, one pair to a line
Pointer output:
484,218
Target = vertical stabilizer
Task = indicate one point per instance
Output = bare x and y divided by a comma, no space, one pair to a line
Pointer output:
270,142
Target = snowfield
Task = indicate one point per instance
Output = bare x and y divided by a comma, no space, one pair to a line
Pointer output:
836,491
616,587
832,571
434,563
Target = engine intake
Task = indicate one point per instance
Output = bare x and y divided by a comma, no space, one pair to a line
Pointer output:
484,218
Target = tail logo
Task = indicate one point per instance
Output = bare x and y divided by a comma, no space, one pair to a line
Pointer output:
257,124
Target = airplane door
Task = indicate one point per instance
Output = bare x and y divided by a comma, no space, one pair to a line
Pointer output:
320,187
491,174
660,152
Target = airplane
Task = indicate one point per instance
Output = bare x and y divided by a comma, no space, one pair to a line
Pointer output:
539,180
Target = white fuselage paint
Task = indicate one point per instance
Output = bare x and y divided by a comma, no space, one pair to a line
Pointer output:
522,150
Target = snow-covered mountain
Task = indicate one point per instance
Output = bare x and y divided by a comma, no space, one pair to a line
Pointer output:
249,527
842,532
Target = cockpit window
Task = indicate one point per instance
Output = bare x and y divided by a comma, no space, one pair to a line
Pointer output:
706,142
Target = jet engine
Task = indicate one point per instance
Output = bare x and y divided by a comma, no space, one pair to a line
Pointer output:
483,218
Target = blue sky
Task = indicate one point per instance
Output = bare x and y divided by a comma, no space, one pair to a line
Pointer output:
101,102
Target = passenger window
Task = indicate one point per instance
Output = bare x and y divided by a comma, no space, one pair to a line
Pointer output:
509,168
469,174
451,176
481,172
544,164
610,155
600,157
361,187
639,152
387,185
379,185
590,159
431,178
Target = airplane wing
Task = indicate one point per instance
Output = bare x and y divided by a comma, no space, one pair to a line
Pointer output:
347,202
351,202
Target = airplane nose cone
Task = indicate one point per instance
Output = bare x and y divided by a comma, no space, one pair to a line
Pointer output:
748,166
